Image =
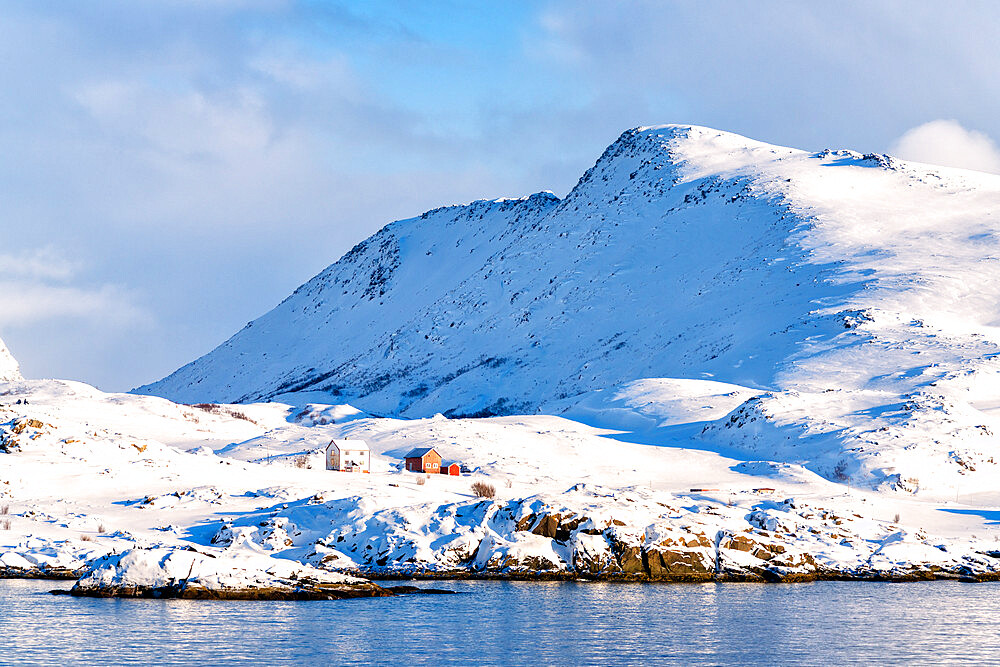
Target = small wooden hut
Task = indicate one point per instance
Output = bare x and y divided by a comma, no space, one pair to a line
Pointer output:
423,459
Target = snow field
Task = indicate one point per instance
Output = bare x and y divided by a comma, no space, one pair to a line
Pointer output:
570,499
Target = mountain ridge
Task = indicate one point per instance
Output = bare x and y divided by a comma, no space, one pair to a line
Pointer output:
381,250
697,163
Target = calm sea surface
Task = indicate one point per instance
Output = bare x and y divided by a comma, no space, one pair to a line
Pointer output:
497,623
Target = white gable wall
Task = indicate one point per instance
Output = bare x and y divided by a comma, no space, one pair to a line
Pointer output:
348,455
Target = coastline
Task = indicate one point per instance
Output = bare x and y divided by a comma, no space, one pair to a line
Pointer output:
766,577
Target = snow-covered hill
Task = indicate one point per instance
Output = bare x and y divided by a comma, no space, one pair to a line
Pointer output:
9,369
849,301
108,486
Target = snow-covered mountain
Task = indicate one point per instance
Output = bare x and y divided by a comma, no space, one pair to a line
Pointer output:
673,257
9,369
854,297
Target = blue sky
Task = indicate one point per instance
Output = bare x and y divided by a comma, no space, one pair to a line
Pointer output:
173,169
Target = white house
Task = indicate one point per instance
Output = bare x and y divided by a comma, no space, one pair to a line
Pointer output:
348,456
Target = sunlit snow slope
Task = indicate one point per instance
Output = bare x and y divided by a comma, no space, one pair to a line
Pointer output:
857,294
9,370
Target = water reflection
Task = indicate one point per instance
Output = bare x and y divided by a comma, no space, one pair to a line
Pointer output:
498,623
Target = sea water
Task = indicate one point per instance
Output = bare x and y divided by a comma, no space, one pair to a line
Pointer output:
500,623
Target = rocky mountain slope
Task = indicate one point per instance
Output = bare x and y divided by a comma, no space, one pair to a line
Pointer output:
850,301
672,257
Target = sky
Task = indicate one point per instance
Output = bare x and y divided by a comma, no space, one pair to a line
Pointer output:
171,169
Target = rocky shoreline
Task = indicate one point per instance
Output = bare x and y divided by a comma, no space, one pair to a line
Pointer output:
307,591
303,591
581,535
766,577
186,573
587,534
312,591
41,573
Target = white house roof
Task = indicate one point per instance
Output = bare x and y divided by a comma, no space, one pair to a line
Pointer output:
343,445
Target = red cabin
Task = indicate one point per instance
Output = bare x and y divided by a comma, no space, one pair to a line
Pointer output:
423,459
451,468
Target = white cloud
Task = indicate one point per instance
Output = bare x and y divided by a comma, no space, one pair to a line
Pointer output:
25,303
40,264
41,285
813,75
947,143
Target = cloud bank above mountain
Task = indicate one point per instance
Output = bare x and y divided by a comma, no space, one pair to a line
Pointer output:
947,143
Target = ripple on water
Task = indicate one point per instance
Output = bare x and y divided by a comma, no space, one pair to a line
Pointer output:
519,623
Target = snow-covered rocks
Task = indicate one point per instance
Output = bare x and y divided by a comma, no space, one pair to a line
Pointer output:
44,558
186,573
273,534
634,535
17,431
929,440
320,415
